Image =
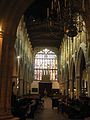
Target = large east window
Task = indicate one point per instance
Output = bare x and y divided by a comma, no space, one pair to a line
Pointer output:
45,64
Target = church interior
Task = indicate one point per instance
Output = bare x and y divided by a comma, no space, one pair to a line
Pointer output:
45,56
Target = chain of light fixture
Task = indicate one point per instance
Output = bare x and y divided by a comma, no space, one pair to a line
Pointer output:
71,26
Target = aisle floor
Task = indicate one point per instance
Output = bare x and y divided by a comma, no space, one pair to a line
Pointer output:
48,113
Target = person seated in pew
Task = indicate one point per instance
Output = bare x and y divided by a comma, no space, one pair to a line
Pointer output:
31,109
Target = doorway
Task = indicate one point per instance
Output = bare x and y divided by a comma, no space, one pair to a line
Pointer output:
45,88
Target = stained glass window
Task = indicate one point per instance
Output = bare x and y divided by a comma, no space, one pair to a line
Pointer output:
45,64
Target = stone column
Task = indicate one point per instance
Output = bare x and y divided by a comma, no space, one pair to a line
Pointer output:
88,70
1,41
66,87
77,87
6,68
71,88
9,84
4,78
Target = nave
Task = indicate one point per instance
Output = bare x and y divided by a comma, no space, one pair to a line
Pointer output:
45,48
50,108
48,113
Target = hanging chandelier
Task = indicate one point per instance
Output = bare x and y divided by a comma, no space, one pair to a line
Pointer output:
64,13
53,12
69,21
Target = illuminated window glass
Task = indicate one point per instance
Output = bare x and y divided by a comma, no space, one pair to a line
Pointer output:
45,64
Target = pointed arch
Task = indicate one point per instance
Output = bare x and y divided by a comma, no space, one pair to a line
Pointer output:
81,67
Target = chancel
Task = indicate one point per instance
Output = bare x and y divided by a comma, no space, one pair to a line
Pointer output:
44,59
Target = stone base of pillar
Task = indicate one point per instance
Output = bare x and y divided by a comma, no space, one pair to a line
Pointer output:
15,118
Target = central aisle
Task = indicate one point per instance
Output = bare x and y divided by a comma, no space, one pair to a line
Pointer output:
48,113
47,103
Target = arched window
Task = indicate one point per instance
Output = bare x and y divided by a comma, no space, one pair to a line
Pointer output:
45,64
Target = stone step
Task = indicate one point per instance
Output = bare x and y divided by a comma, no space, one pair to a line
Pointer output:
10,117
87,118
15,118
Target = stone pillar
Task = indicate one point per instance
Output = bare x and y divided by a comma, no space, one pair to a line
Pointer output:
88,70
77,87
71,88
6,69
9,84
66,87
1,40
3,78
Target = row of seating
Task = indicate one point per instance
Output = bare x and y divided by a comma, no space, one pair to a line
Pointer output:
26,107
75,108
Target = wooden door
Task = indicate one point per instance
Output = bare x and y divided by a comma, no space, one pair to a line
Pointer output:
45,87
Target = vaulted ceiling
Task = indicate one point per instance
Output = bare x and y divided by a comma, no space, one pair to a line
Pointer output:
41,35
40,32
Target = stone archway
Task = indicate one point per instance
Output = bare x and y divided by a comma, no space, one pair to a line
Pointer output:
7,18
81,68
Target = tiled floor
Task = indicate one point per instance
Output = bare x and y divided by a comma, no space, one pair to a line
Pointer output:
48,113
51,114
